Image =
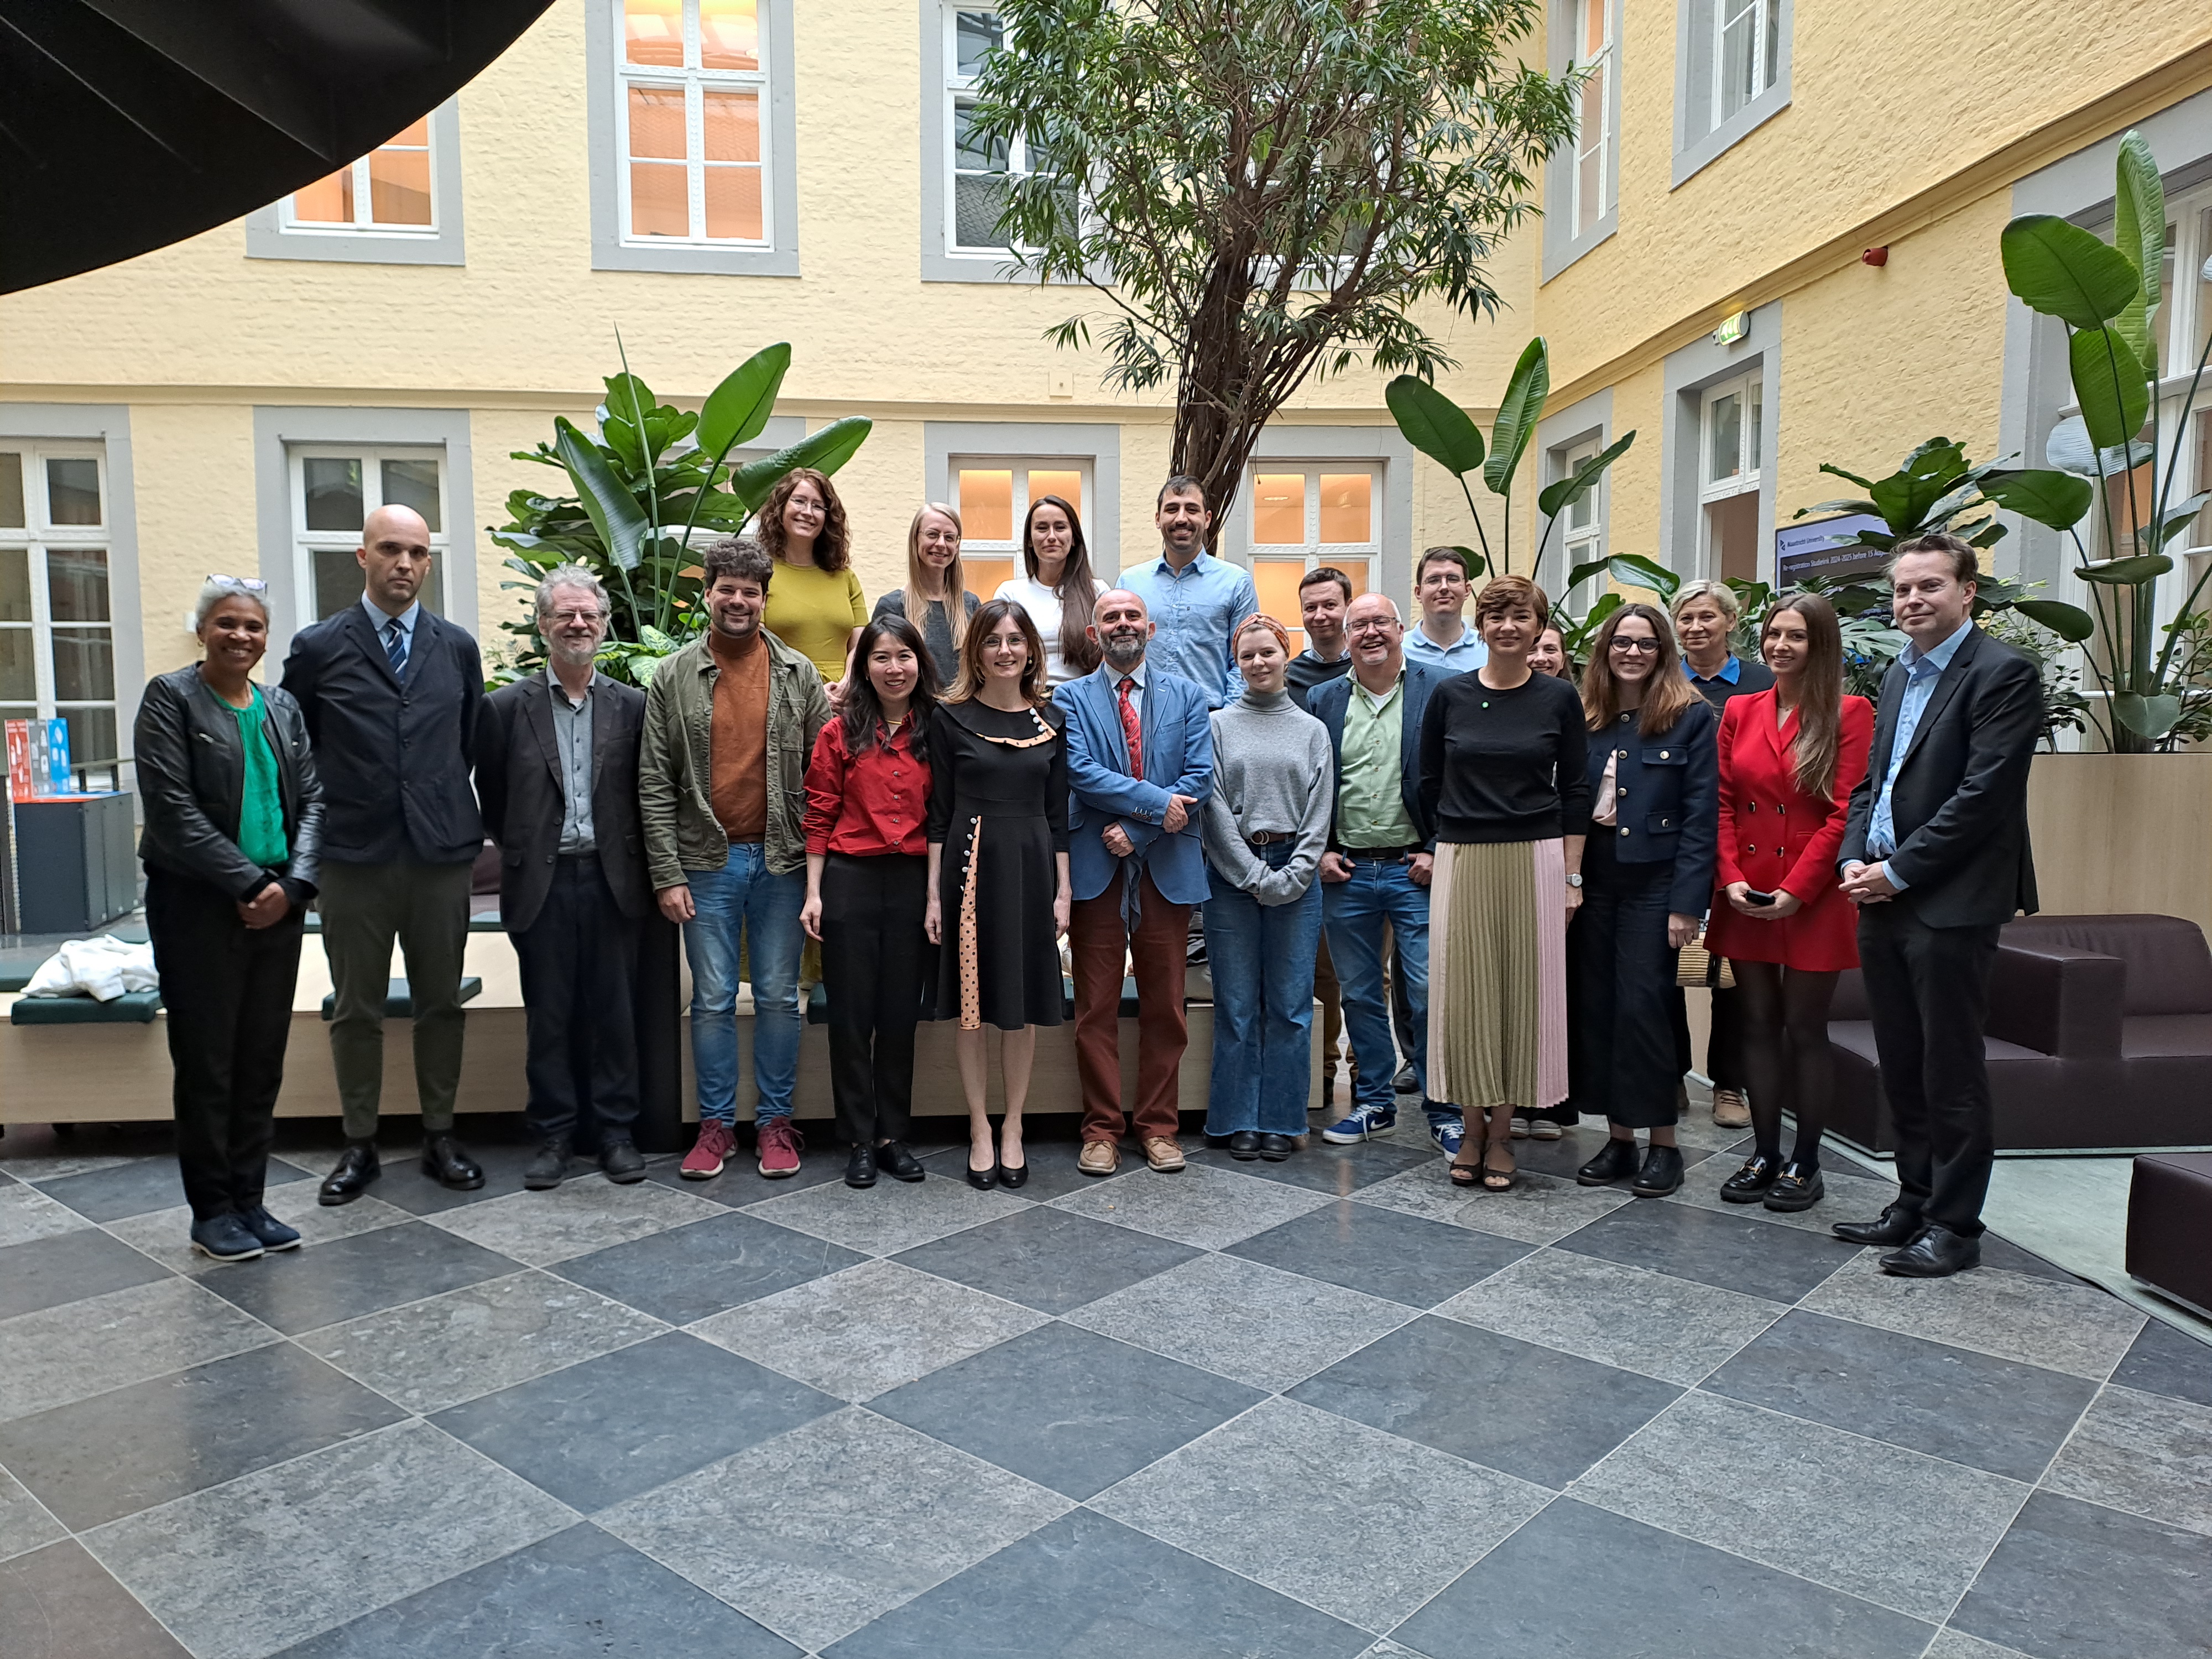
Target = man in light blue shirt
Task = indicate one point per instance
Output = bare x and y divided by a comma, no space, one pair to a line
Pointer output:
1922,669
1193,598
1444,640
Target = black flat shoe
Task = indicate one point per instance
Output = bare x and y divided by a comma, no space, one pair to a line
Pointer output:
1754,1182
623,1163
1615,1161
1013,1175
983,1180
545,1170
1797,1188
895,1161
1898,1225
1936,1254
1244,1145
446,1163
1661,1174
356,1168
860,1167
1275,1148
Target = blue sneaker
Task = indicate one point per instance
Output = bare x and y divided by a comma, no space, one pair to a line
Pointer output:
1448,1137
1361,1123
273,1234
224,1238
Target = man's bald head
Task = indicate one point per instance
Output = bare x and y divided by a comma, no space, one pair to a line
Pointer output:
1377,636
1122,628
395,557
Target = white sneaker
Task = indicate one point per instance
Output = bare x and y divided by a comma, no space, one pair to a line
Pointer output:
1519,1126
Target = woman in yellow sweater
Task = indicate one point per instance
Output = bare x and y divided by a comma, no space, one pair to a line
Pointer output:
815,604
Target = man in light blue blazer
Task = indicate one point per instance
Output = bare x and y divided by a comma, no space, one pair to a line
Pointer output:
1140,765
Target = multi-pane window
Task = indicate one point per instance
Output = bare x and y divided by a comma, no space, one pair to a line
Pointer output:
388,190
1581,528
993,497
1593,176
1748,56
1729,441
978,168
1305,517
692,90
56,625
335,487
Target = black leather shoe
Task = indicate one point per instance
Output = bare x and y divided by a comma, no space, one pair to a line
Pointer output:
982,1180
895,1161
1898,1225
1661,1172
543,1172
860,1167
1936,1254
1797,1188
446,1163
1754,1182
356,1168
1275,1148
1615,1161
625,1164
1244,1145
1405,1083
1011,1175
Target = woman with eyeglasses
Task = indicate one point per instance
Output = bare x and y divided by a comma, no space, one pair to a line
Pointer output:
1647,877
234,829
935,599
1056,588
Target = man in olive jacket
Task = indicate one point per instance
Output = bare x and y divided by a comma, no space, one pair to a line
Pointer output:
730,722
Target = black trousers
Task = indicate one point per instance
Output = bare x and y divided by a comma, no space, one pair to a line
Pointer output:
227,991
579,960
874,958
1928,991
1621,1059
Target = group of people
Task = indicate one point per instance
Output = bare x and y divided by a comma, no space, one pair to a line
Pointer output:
1486,870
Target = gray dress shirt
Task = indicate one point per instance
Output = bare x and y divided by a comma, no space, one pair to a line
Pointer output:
572,735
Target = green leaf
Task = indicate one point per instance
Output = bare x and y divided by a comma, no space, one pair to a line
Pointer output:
1634,570
825,451
1518,412
1434,424
2148,718
1557,497
2139,233
2127,572
1849,477
613,511
2110,385
2055,499
1847,505
1988,536
2071,622
736,411
2058,268
2177,520
1477,565
1583,573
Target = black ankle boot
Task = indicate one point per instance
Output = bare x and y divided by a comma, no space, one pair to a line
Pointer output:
1661,1174
1615,1161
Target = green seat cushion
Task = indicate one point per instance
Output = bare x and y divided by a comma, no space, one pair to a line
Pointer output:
131,1008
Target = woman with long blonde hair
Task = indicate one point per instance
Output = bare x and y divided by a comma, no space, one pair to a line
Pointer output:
935,599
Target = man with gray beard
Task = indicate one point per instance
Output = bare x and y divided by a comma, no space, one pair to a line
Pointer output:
557,772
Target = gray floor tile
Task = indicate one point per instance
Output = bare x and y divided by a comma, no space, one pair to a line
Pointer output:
2076,1581
482,1338
56,1165
1992,1414
578,1593
1532,1412
143,1184
166,1235
1282,1493
1047,1259
83,1348
1733,1252
1066,1408
130,1448
1052,1173
2148,1453
26,1214
1537,1209
59,1603
1258,1324
1671,1328
331,1537
613,1427
1332,1171
1208,1208
1386,1253
24,1523
306,1290
843,1519
1872,1520
1642,1592
575,1219
1087,1588
1957,1644
872,1327
2037,1322
689,1271
887,1218
2163,1360
45,1272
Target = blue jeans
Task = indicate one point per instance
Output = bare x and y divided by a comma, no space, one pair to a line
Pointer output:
1262,960
743,902
1355,912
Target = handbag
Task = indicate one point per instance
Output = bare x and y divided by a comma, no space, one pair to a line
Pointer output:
1695,967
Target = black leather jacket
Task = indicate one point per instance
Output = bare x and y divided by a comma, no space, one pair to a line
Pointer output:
192,776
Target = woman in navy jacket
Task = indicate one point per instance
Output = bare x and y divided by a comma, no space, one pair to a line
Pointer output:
1647,878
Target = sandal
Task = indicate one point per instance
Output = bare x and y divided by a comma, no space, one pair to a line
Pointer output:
1464,1175
1495,1180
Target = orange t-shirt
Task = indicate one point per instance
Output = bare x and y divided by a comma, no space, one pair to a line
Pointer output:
737,739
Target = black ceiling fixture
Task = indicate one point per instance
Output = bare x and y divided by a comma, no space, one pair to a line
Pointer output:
128,124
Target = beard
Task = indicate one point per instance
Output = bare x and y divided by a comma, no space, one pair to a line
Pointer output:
1124,650
573,653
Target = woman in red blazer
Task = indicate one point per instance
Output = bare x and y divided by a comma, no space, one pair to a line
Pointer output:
1789,757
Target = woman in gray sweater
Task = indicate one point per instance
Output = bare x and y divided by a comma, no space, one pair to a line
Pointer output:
1267,826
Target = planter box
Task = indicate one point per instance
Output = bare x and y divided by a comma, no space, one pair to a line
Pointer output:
2123,833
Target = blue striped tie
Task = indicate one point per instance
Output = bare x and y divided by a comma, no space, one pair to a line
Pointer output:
395,648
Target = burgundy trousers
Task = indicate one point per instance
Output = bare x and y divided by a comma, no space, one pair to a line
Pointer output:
1098,941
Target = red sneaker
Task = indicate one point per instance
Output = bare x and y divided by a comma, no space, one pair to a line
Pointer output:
705,1160
779,1147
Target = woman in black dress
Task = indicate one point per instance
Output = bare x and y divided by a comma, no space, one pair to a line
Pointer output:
999,889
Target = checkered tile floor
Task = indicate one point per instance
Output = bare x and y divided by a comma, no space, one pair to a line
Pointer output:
1328,1408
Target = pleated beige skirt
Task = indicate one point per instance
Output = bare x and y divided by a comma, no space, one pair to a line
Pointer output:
1498,974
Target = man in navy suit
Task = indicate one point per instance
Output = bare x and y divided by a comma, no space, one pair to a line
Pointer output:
1140,765
391,694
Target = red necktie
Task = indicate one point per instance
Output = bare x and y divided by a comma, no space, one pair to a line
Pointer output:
1132,729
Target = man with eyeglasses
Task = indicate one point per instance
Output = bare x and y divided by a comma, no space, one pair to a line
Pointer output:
1445,639
391,694
1376,872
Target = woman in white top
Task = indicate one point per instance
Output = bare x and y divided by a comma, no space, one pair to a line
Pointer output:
1060,590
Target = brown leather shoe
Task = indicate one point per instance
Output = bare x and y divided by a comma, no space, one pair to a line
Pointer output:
1729,1111
1163,1154
1098,1157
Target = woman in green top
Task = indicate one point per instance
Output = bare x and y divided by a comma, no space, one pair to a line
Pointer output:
234,826
815,604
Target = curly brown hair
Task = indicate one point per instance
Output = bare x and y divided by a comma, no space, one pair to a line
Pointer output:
833,548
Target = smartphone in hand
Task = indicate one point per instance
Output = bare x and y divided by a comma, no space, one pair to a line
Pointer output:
1758,898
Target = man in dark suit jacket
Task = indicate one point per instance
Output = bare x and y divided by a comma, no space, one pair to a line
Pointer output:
391,694
557,770
1936,856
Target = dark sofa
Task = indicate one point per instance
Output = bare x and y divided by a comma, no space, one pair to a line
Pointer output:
2100,1038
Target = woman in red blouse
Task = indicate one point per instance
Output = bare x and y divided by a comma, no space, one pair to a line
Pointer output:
867,886
1790,756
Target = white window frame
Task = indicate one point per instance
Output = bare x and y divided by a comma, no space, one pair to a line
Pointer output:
695,82
1583,543
1311,553
1748,479
1586,217
1763,20
38,536
276,233
307,543
975,547
1703,131
956,88
363,223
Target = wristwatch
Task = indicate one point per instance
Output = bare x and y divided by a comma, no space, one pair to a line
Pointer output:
1574,878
